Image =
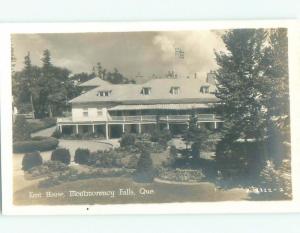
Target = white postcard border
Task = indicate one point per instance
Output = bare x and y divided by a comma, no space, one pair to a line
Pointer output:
170,208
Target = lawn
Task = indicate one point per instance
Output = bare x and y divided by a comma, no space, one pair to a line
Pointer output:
156,193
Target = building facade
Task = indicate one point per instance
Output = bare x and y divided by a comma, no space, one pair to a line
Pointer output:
109,110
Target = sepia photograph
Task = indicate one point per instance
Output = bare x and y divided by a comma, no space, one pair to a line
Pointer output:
149,117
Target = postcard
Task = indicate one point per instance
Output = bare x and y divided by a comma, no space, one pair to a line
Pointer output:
150,117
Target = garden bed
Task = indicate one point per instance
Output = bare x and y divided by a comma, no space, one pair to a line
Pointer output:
180,175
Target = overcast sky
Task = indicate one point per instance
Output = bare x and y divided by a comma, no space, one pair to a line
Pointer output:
146,53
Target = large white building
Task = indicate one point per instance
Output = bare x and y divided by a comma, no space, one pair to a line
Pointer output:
112,109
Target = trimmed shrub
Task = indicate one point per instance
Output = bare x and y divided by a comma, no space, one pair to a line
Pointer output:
56,134
31,160
43,144
21,129
127,140
82,156
144,170
62,155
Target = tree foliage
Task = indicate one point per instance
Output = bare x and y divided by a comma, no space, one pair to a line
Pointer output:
46,89
195,136
21,129
252,81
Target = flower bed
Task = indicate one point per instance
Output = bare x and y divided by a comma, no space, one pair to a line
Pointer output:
181,175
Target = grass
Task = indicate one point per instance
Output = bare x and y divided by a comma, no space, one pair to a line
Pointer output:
162,193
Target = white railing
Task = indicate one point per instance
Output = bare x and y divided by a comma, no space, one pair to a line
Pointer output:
148,118
134,118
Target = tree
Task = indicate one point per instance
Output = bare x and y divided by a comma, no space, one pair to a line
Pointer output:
25,86
21,129
82,77
144,170
242,84
252,82
195,136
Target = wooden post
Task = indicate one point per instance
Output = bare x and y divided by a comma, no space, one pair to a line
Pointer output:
215,125
168,126
93,128
60,128
123,128
140,128
77,130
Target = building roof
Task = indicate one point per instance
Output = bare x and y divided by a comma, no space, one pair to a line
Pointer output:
95,82
189,92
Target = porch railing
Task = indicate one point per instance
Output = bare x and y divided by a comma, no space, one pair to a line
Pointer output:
150,118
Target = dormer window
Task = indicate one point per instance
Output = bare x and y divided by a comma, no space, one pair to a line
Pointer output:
103,93
146,91
174,90
204,89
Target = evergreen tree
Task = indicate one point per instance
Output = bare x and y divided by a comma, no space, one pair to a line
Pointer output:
144,170
195,136
21,130
242,84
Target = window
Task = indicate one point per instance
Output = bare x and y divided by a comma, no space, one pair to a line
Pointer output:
103,93
85,112
99,112
204,89
146,91
174,90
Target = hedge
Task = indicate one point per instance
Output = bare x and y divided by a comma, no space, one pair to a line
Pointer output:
43,144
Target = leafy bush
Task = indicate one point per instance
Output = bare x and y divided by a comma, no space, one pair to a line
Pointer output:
44,144
127,140
144,170
106,159
48,167
62,155
277,180
82,156
31,160
132,163
161,136
21,129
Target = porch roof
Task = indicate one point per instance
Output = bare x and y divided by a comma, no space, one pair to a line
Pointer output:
159,106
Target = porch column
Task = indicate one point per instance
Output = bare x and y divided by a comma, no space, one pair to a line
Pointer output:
60,128
123,128
168,125
140,128
106,131
215,125
77,130
93,128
